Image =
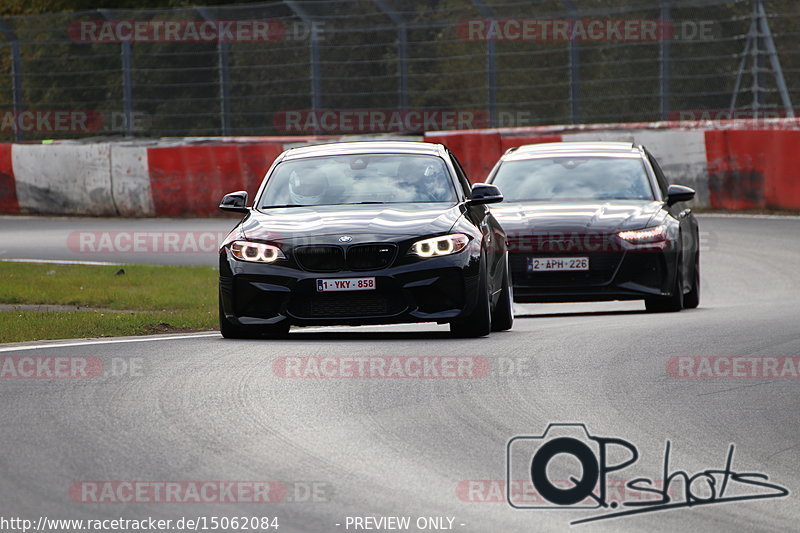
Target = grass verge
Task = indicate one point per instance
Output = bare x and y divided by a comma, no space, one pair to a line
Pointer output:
145,299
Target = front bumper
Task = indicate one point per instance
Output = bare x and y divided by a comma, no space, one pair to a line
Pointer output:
438,289
618,275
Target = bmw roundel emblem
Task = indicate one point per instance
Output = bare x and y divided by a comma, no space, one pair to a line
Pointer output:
345,238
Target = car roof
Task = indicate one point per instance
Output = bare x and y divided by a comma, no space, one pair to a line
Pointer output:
365,147
573,148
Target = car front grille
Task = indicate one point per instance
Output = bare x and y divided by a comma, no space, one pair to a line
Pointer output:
329,258
562,243
370,256
320,258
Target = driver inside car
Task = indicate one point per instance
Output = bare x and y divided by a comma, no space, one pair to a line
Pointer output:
424,180
308,188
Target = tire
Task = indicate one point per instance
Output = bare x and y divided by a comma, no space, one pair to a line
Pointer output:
692,298
233,331
672,303
503,314
479,322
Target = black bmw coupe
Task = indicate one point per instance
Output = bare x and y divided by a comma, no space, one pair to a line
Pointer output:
364,233
591,221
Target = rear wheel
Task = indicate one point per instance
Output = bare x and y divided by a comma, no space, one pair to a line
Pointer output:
503,314
692,298
479,322
672,303
233,331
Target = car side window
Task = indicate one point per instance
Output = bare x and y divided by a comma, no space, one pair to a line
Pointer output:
462,176
663,184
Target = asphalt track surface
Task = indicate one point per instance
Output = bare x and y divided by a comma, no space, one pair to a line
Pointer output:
204,408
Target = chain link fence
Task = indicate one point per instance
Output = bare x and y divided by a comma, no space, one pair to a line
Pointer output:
329,67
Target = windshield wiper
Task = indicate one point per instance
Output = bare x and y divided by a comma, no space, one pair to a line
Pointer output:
284,205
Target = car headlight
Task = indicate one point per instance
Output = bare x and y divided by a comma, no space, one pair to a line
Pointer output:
645,236
436,246
256,252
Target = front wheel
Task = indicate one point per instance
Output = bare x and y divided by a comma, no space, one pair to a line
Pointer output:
503,314
479,322
692,298
672,303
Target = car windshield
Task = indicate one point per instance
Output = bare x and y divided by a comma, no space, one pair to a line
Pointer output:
356,179
574,178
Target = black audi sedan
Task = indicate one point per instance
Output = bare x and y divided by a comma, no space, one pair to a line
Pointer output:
364,233
593,221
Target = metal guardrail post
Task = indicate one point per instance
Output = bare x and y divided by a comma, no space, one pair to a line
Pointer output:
316,79
491,67
16,75
574,69
402,52
127,83
665,60
223,69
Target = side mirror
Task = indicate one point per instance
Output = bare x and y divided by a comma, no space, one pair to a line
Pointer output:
679,193
485,193
235,202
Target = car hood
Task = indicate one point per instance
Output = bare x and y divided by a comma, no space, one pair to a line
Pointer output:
583,216
361,222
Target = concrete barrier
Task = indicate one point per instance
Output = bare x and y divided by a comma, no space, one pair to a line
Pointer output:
8,186
753,169
133,178
130,181
191,180
64,179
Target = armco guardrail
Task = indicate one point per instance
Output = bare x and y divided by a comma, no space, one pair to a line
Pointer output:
730,168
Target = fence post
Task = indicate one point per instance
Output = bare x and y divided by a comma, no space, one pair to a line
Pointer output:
664,58
223,70
574,68
757,66
774,60
757,33
491,67
16,75
127,89
402,52
316,82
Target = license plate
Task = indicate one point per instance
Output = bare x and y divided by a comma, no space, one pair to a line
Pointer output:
345,284
557,264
